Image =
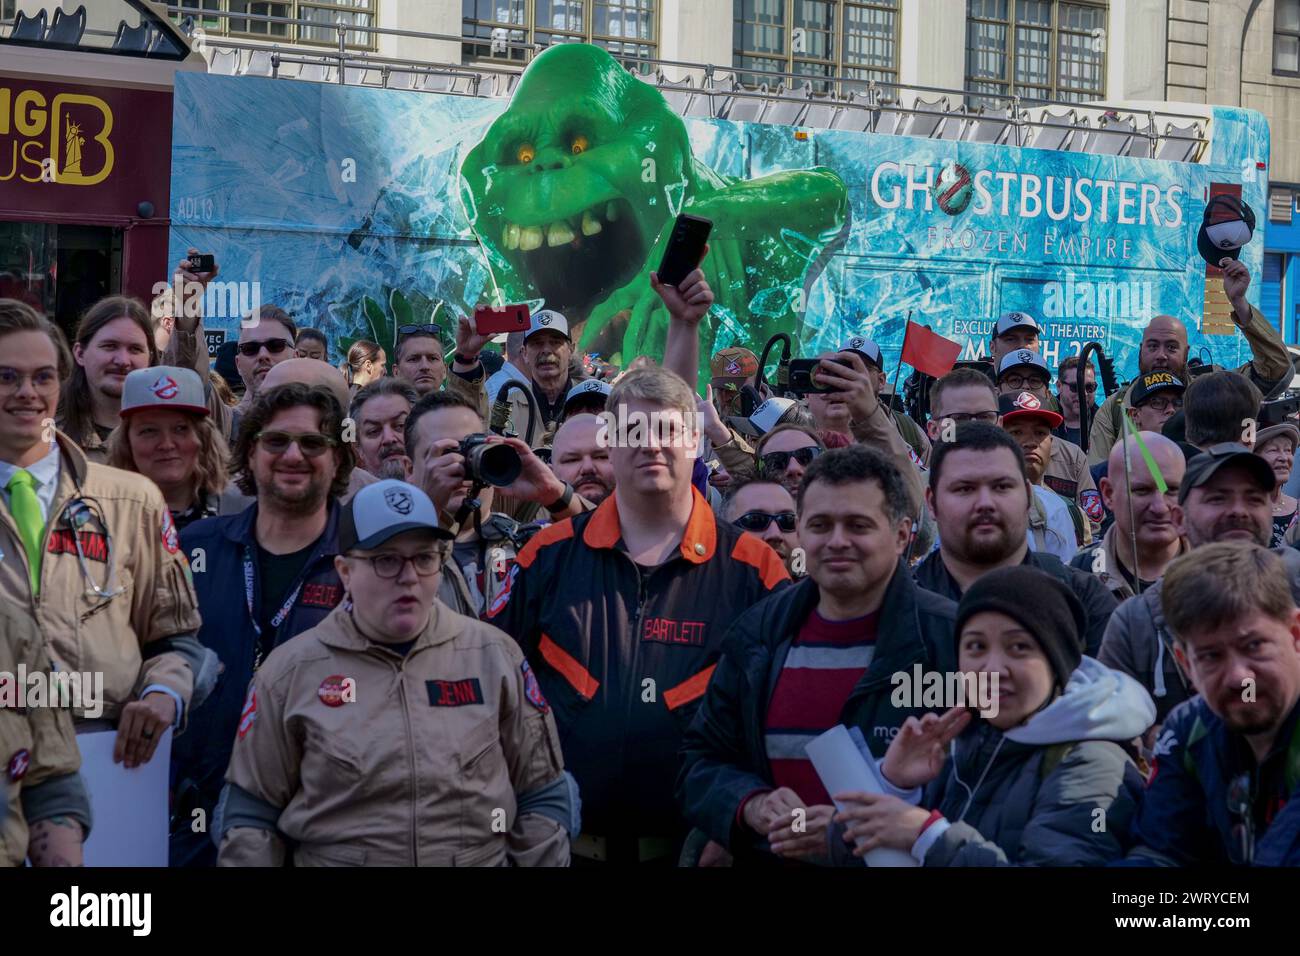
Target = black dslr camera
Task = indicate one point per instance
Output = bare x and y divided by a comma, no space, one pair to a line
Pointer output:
490,463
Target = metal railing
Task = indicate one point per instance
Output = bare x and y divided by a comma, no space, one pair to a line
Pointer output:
862,108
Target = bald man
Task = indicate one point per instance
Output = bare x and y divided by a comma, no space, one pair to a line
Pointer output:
1164,348
1139,507
580,458
308,372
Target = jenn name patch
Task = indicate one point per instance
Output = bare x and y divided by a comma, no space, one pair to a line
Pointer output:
454,693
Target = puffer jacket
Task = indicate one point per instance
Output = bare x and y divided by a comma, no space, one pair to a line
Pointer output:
1034,795
724,758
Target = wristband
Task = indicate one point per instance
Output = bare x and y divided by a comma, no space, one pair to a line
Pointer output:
463,359
935,815
561,503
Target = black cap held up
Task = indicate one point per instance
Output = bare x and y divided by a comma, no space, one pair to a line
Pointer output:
1041,604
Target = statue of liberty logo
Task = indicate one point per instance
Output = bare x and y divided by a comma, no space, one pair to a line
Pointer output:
72,143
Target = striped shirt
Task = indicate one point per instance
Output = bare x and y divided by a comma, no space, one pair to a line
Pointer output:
825,661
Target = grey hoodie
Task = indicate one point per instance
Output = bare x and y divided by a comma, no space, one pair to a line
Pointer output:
1003,806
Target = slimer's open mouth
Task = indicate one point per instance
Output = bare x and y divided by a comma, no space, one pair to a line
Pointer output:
574,261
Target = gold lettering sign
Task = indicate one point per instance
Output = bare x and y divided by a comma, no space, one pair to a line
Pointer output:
70,171
25,117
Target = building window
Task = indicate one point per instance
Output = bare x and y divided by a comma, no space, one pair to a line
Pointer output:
1286,36
627,28
823,39
325,13
1035,49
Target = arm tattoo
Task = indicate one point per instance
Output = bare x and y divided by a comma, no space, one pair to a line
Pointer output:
55,842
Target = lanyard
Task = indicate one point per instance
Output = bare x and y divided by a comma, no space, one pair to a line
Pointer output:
280,615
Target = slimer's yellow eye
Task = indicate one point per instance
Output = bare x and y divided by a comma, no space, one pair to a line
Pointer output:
580,145
526,153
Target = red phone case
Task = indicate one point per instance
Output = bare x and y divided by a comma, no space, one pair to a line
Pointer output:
511,318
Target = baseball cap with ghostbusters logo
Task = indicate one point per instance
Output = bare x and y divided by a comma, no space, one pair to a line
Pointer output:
384,510
865,347
1026,359
732,365
166,387
547,320
1024,406
585,389
1015,320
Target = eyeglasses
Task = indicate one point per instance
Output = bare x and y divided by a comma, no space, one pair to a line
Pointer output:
989,417
274,346
42,379
309,443
389,564
776,462
759,520
427,329
1021,381
1163,404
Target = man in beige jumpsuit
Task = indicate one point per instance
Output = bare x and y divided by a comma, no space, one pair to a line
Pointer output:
397,732
44,808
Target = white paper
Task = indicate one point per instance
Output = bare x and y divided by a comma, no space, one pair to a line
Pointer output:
842,769
129,806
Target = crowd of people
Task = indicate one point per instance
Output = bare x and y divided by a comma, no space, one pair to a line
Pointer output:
457,611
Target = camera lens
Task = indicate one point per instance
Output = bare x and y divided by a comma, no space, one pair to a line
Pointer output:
495,464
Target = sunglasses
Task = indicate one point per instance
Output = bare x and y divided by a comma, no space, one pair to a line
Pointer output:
1089,387
1241,799
759,520
310,444
274,346
427,329
775,462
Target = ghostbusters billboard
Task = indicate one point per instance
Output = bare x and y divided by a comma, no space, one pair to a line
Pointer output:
361,209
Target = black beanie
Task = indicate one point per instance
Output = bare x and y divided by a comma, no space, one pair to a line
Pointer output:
1040,603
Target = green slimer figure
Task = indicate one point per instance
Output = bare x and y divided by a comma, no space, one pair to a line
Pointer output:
573,191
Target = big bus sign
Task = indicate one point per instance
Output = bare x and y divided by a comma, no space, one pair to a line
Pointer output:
76,149
48,138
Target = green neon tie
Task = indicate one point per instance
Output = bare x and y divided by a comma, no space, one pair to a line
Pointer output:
26,509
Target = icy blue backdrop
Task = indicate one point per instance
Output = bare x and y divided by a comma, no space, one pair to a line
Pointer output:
342,202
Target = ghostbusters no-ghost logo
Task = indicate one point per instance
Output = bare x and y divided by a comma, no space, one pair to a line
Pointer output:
1026,356
18,765
860,344
330,691
733,367
165,388
170,540
399,500
544,319
1028,402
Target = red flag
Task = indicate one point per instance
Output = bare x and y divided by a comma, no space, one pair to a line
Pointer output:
929,352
